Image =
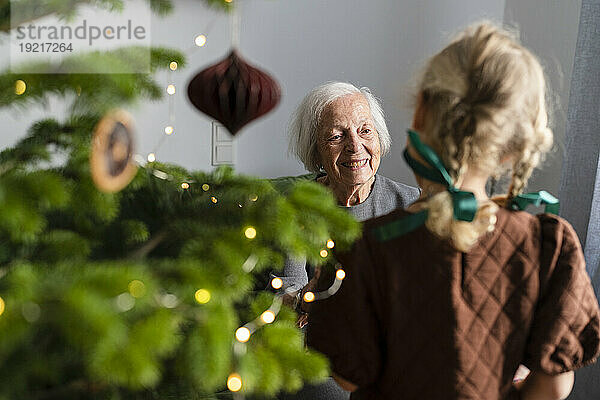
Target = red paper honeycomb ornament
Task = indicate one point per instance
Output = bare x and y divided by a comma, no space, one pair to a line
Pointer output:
233,92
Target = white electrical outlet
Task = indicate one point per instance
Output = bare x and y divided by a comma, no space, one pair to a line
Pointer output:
223,145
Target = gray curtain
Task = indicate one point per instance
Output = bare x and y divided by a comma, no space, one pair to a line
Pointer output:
580,180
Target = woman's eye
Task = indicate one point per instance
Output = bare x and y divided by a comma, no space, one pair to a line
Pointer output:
366,131
335,137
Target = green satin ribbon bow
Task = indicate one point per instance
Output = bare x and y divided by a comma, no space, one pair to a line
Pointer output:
465,204
537,199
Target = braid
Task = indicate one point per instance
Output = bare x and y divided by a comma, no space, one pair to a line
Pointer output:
537,141
463,159
522,171
457,128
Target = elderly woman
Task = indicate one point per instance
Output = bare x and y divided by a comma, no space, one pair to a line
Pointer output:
339,133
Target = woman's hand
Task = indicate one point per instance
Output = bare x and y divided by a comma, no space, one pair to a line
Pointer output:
302,307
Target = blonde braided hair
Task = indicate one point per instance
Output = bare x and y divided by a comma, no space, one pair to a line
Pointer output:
484,96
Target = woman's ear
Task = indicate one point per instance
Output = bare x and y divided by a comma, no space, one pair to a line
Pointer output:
419,117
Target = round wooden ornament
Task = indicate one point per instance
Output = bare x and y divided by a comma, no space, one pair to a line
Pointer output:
111,160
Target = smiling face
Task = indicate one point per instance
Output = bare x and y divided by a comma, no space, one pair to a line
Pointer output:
347,142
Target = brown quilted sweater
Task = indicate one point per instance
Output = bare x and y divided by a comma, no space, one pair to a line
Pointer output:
417,319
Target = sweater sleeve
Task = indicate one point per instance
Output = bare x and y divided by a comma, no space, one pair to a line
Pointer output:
345,326
294,274
565,331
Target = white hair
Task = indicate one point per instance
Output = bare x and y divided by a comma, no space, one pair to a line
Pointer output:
304,124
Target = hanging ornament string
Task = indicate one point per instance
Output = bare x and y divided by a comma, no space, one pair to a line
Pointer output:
235,20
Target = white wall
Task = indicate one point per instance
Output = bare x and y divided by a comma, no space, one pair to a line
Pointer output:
549,29
379,44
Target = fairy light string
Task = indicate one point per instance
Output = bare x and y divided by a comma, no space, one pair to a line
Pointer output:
244,332
199,41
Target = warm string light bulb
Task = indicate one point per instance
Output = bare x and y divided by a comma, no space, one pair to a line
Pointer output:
234,382
171,89
340,274
214,199
31,312
309,297
276,283
169,130
250,232
173,65
202,296
136,288
151,157
330,244
268,317
2,305
200,40
20,87
125,302
242,334
205,187
185,185
169,300
253,197
323,253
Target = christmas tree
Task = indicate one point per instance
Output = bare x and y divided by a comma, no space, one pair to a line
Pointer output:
147,292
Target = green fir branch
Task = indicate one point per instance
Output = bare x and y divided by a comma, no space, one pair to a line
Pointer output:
95,93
